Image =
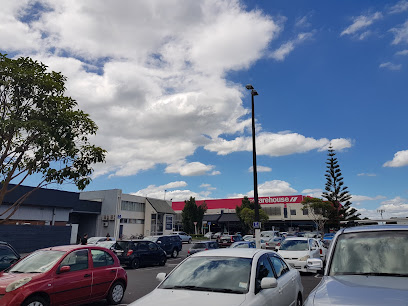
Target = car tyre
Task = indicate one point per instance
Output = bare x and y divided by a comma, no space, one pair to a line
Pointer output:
35,301
174,254
116,293
135,263
162,261
189,241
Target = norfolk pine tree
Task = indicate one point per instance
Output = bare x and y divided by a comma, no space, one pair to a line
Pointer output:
336,192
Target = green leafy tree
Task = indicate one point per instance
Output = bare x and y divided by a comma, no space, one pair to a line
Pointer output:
319,211
41,131
336,192
246,214
192,213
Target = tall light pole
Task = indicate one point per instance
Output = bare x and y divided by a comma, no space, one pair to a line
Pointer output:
256,203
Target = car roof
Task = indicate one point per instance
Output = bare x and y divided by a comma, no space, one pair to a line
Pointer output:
67,248
231,252
375,228
298,238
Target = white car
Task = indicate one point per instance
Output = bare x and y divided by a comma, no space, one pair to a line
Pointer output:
233,276
184,236
208,235
249,238
296,251
95,240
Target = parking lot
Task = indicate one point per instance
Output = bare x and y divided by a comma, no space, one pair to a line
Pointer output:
143,280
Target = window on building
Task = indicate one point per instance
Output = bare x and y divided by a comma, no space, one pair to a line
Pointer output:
293,212
305,211
132,221
272,211
132,206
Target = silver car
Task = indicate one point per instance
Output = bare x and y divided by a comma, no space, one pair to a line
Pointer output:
365,266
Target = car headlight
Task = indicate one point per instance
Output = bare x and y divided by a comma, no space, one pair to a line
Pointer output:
18,284
304,258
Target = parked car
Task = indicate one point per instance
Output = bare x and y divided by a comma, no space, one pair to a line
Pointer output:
328,237
249,238
202,246
8,255
184,236
208,235
73,274
273,243
171,244
296,251
228,277
322,250
216,235
136,253
265,234
365,266
226,240
95,240
243,244
107,244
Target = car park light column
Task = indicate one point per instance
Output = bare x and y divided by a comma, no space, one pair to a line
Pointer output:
256,203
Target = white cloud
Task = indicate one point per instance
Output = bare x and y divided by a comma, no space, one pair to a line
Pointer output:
390,66
275,144
260,169
400,34
397,207
208,187
364,35
403,52
400,7
361,198
400,160
361,22
163,191
151,74
189,169
286,48
315,193
273,188
366,174
302,22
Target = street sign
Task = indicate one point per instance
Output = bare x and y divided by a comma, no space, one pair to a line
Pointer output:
119,217
208,222
257,225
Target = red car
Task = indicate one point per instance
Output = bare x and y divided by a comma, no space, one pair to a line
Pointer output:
64,275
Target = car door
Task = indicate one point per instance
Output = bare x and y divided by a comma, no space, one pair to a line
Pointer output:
271,296
143,252
154,253
73,286
104,272
314,249
286,278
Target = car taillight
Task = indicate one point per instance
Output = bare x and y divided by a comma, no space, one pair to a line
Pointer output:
188,252
130,252
206,250
278,244
321,251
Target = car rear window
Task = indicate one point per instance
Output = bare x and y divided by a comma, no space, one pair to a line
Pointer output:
199,246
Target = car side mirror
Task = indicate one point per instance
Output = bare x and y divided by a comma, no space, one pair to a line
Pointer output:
161,276
64,269
269,282
159,242
315,264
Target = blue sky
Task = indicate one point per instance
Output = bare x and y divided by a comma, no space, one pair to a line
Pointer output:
165,82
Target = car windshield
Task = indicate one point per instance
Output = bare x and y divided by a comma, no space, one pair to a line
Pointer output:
93,240
294,245
37,262
371,253
215,274
106,244
151,238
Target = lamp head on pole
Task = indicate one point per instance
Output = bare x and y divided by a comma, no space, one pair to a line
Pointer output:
254,92
249,87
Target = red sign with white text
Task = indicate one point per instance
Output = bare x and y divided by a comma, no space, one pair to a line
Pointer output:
232,203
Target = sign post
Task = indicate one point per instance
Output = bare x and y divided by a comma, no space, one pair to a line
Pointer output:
195,227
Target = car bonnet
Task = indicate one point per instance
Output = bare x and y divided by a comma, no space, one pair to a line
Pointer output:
177,297
8,278
361,290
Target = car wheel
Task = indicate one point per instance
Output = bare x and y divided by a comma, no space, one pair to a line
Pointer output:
116,293
162,261
135,263
299,300
174,254
35,301
189,241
